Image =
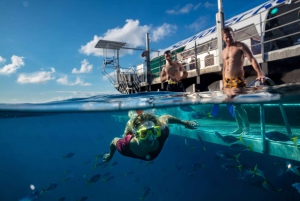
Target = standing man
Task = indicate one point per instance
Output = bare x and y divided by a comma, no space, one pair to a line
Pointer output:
233,74
171,73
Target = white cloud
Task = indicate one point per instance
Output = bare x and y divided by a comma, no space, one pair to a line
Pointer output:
177,10
83,94
183,10
197,6
132,33
59,98
104,77
162,31
36,77
199,23
2,60
65,81
208,5
86,67
188,8
16,63
78,94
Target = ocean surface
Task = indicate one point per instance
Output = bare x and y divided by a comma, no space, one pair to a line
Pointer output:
51,151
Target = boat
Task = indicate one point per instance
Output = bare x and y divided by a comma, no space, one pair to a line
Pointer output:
271,30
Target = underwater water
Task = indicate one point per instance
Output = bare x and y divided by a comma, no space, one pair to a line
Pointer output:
49,151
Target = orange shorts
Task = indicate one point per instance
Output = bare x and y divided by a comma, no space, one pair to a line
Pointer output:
238,82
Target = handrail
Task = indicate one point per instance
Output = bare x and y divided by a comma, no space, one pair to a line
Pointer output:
278,38
260,32
199,45
284,13
282,25
269,18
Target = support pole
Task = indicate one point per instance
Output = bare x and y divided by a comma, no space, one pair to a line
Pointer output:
148,70
286,122
118,67
262,128
197,67
160,69
262,34
220,26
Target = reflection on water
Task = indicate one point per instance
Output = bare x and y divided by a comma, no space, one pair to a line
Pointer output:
58,147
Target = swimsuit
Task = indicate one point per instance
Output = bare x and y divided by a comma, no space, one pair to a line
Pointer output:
238,82
123,145
175,86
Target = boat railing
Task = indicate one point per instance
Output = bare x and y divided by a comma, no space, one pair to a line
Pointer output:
270,36
128,80
274,31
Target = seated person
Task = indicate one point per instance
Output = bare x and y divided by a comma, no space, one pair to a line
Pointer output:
145,136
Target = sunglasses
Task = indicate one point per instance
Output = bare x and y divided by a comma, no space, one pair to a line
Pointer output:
144,133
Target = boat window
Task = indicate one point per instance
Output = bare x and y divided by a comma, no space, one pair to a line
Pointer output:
279,24
209,60
249,35
246,33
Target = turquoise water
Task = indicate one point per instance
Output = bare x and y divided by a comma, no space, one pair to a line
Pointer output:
35,137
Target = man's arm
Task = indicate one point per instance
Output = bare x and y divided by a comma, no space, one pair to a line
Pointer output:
168,119
184,72
253,61
163,75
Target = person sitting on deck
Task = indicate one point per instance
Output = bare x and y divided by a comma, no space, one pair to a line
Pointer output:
144,136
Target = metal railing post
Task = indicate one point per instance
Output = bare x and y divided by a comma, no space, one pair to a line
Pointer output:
197,67
220,25
286,122
262,128
148,77
160,69
262,33
118,67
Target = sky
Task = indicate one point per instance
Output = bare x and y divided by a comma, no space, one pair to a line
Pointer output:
47,46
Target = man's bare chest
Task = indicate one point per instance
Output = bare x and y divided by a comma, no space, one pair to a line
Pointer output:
232,53
172,69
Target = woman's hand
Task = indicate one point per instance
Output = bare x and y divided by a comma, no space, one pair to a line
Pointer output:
106,157
191,125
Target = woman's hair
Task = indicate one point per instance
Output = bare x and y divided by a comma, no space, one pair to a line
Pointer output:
138,120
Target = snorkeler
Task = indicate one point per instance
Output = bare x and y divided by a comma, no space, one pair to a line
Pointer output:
144,136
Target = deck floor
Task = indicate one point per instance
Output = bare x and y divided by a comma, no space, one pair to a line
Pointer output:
208,127
225,127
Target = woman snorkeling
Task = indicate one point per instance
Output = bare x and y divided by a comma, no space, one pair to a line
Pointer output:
144,136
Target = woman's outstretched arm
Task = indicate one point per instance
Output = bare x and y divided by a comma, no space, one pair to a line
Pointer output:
112,149
169,119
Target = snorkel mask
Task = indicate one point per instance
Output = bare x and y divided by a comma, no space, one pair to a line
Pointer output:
148,131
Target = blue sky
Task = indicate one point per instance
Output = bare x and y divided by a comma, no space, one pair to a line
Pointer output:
47,47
